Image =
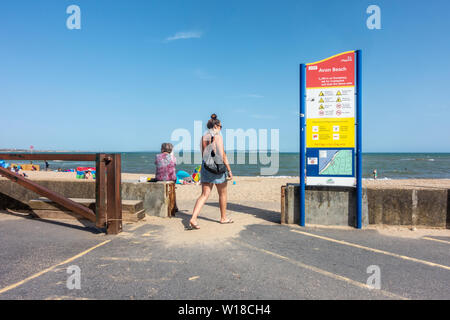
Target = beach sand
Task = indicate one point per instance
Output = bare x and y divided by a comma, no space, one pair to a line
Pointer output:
258,188
251,201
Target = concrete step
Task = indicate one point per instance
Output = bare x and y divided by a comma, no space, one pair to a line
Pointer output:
132,210
133,217
47,204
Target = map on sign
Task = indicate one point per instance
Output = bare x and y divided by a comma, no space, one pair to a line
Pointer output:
335,162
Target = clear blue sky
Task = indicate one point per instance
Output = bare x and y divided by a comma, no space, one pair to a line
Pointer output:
124,82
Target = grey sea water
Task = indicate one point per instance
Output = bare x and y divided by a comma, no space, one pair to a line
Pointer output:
388,165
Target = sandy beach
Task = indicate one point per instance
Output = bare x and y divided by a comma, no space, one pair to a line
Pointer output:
261,187
251,200
258,197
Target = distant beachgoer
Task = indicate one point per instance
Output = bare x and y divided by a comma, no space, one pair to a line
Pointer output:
16,169
165,166
46,165
88,174
33,168
375,174
212,145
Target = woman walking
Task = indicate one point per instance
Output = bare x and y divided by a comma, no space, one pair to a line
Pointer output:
215,168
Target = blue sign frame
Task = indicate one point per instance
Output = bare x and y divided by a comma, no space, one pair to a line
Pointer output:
358,165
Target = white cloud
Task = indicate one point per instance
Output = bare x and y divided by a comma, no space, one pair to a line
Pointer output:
185,35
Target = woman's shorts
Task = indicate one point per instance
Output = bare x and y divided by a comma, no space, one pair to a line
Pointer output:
209,177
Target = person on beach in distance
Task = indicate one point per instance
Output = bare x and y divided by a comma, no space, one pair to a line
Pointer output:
209,179
375,174
17,171
165,166
88,175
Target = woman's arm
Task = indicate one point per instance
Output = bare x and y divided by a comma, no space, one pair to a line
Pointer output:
203,145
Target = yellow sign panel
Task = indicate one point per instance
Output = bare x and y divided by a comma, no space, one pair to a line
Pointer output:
330,133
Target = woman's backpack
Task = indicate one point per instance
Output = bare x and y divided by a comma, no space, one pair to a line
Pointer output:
212,161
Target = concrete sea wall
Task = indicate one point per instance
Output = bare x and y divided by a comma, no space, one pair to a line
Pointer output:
336,206
324,205
154,194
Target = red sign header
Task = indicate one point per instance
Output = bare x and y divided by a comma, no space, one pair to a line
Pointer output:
336,71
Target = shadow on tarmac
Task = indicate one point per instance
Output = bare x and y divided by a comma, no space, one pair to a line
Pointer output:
86,225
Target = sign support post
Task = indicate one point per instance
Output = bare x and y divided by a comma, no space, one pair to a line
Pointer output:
358,139
302,142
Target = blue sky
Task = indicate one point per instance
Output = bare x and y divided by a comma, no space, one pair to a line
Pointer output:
137,70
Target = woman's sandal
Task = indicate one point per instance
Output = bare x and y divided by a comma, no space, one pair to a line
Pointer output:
194,226
227,221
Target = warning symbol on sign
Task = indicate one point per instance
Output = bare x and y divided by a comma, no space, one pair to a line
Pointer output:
339,100
338,93
321,94
321,100
321,107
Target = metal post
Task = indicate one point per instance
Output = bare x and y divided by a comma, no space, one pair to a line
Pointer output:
100,190
302,143
114,202
358,139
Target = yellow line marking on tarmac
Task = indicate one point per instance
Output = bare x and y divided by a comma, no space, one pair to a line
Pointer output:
324,272
17,284
133,228
438,240
432,264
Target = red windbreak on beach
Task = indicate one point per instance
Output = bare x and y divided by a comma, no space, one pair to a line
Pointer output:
336,71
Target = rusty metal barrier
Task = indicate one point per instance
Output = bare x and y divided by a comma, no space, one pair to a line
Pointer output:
108,212
170,193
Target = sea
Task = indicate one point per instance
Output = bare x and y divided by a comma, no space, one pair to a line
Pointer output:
388,165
